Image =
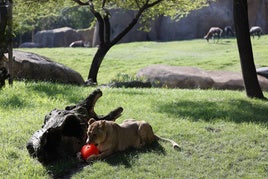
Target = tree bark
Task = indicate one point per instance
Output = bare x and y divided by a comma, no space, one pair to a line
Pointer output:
240,11
64,131
95,65
104,28
3,24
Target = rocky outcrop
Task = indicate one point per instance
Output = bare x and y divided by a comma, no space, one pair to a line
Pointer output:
258,14
86,35
192,77
63,37
176,77
195,25
31,66
30,45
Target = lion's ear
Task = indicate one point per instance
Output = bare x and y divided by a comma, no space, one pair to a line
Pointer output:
102,123
90,121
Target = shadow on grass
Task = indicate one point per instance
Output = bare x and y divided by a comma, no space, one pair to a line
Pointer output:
66,168
127,157
13,101
51,89
237,111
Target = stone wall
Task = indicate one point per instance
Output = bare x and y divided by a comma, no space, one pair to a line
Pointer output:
62,37
258,13
195,25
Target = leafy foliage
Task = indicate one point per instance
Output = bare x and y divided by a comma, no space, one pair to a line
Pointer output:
30,13
27,12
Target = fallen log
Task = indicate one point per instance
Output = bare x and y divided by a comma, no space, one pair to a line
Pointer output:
64,131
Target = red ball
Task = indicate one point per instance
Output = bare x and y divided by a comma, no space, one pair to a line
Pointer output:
88,150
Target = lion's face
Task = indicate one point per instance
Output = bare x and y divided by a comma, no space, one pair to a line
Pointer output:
96,133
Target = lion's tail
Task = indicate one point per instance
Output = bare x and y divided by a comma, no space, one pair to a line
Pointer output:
174,144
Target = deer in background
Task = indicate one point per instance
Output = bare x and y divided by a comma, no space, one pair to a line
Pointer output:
255,30
228,31
213,32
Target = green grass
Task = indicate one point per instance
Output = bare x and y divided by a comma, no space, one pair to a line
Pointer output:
236,149
131,57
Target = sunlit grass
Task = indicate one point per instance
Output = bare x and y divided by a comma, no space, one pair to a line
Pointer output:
131,57
223,134
238,147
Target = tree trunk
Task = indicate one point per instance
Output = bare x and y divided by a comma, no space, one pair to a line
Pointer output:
104,31
95,65
3,24
240,11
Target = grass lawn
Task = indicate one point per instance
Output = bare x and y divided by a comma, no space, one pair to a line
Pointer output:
131,57
223,134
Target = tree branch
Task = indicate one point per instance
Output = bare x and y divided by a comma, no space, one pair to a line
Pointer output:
81,3
138,5
107,28
135,20
153,3
100,21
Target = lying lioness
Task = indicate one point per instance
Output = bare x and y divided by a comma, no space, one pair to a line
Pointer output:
110,137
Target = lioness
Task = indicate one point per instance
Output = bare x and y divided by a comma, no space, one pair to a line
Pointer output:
110,137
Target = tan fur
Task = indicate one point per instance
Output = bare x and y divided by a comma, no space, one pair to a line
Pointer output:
213,31
111,137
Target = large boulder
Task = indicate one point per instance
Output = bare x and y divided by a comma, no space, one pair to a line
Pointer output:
86,35
192,77
31,66
61,37
233,80
226,80
176,76
30,45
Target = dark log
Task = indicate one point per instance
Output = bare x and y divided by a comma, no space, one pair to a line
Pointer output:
3,76
64,131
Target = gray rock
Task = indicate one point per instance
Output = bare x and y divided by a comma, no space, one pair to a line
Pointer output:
31,66
61,37
195,25
176,77
191,77
30,45
86,35
227,80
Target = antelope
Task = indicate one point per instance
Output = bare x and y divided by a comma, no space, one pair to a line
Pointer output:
228,31
213,31
255,30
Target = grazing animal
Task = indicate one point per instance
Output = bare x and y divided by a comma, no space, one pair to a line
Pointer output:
110,137
213,31
228,31
255,30
79,43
